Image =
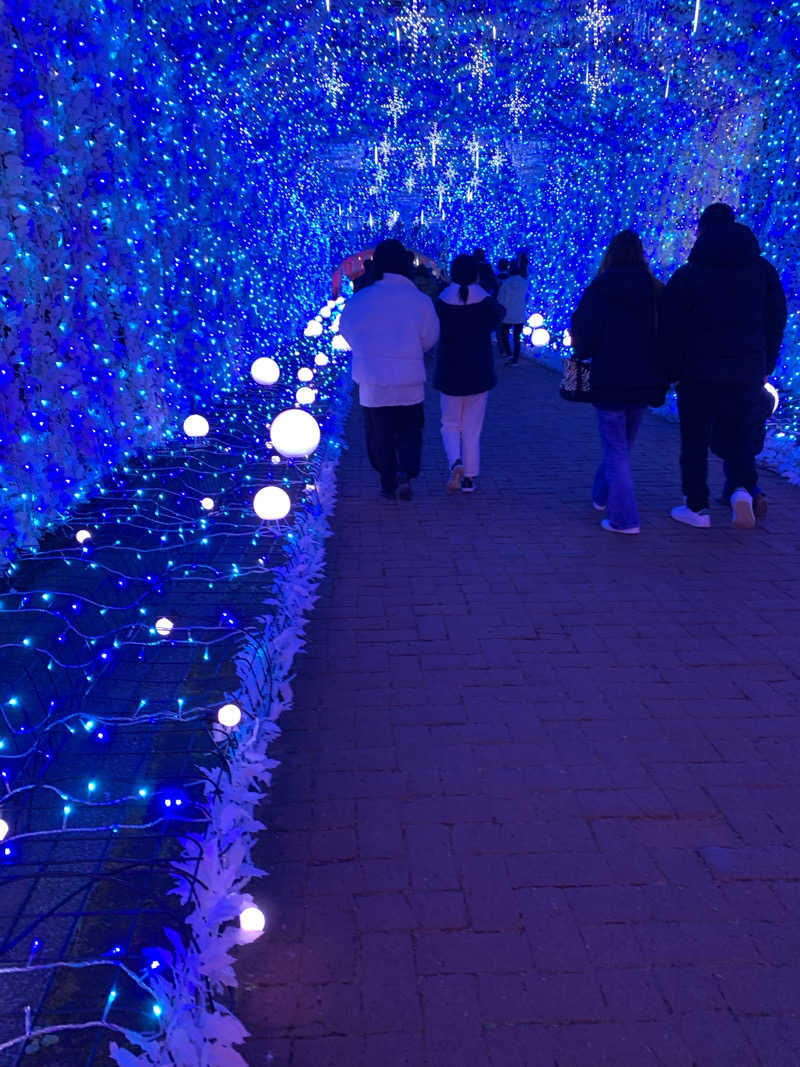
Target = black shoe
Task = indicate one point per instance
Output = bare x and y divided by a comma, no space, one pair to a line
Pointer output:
468,485
404,490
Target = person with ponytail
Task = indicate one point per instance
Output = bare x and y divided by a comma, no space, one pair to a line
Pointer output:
464,371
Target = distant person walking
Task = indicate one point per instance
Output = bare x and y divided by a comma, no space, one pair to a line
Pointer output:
389,326
464,371
486,278
724,316
513,295
615,326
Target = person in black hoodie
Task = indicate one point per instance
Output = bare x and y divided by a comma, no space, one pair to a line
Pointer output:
464,371
615,326
724,317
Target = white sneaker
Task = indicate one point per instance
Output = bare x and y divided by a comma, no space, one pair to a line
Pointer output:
692,518
606,524
743,517
599,507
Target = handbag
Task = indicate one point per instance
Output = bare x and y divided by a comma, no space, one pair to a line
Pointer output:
576,380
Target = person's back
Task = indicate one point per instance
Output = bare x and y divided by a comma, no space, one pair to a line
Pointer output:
724,310
614,326
464,362
513,294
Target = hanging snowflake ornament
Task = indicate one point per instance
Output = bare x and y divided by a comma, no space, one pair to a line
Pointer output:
441,189
333,84
597,19
410,183
480,65
497,159
450,173
596,82
435,139
420,159
395,107
516,105
392,219
385,148
412,23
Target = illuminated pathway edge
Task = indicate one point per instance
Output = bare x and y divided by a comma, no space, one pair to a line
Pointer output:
537,800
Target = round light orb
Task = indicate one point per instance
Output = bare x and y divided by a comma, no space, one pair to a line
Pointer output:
305,374
334,325
265,371
536,320
82,536
773,392
164,626
276,459
321,359
339,301
313,329
195,426
339,344
4,828
527,331
272,502
305,395
566,340
325,312
294,433
252,920
540,337
207,504
229,715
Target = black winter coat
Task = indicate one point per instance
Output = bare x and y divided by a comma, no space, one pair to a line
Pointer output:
724,312
615,326
464,361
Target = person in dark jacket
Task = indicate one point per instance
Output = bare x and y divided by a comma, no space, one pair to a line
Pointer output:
464,371
724,317
615,326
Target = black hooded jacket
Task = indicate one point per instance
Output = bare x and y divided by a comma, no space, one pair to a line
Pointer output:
724,313
614,326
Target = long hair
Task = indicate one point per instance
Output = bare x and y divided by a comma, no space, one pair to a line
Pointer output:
464,272
624,250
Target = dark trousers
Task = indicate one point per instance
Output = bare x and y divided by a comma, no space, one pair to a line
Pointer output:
394,442
724,408
503,337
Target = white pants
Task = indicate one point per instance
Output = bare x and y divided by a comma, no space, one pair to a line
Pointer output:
462,422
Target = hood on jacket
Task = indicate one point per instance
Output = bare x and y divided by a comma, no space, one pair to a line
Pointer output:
725,245
627,287
474,296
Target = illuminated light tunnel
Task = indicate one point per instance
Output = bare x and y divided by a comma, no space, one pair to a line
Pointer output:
180,181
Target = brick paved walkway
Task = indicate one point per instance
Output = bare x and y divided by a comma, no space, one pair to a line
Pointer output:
538,798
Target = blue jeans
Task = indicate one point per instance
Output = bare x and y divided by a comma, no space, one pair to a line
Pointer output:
613,483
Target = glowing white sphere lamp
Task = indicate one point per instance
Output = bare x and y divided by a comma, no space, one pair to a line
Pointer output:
164,626
229,715
536,320
305,374
340,344
272,502
305,395
566,340
321,359
252,921
325,312
195,426
527,331
4,828
265,371
294,433
540,337
207,503
773,392
313,329
82,536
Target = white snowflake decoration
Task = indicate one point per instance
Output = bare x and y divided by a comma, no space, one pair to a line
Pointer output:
410,183
441,189
395,107
392,219
497,159
597,20
413,22
596,82
450,173
480,65
333,84
516,105
420,159
474,145
385,148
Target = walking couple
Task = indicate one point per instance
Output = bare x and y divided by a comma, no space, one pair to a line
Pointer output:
714,330
390,326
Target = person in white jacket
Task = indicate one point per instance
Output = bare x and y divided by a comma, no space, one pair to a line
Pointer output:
389,327
513,295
